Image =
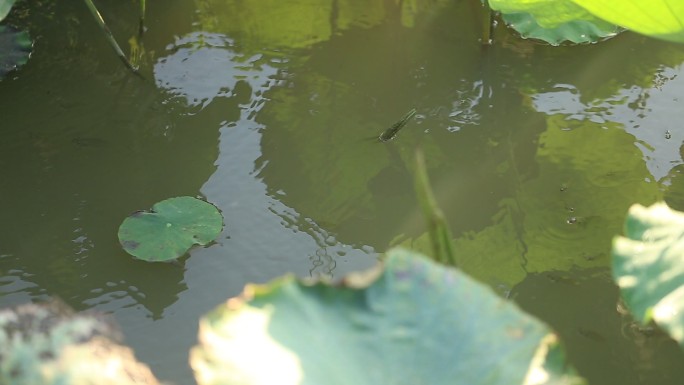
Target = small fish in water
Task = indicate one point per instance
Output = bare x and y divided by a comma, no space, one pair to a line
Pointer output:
391,132
591,334
557,278
89,142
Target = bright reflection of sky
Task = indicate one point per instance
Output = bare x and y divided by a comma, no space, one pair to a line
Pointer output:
648,114
202,68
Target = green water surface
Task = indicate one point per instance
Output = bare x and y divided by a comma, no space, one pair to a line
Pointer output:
270,109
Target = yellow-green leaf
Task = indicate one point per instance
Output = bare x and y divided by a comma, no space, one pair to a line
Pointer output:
662,19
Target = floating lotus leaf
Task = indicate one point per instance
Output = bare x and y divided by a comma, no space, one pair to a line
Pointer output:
412,321
15,49
170,229
662,19
648,266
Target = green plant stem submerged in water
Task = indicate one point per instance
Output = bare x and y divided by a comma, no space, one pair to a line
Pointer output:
440,235
141,27
108,34
486,23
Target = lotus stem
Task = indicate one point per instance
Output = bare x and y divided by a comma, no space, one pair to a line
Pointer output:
108,34
141,27
486,23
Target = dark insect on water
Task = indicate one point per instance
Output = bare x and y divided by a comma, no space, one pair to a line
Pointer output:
391,132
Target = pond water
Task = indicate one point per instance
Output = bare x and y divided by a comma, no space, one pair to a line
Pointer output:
270,110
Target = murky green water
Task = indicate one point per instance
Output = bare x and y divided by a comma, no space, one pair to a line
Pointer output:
268,110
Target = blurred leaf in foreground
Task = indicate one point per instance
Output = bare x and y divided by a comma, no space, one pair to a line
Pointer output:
649,269
5,6
51,345
409,321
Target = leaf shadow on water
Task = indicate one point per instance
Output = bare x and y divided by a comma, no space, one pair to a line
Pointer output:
605,345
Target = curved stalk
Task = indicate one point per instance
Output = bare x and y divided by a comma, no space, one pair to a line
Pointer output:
108,34
141,26
438,229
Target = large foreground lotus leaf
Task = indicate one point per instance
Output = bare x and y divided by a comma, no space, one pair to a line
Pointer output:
50,345
411,321
648,266
553,21
170,229
548,13
663,19
574,31
15,49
